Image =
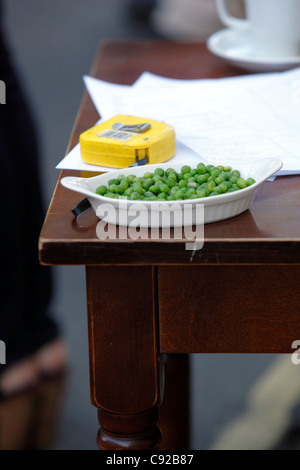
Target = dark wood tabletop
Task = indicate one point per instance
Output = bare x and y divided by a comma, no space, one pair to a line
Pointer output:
267,233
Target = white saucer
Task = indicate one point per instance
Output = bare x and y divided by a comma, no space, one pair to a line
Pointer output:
234,46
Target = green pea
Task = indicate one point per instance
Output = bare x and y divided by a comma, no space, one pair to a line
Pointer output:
101,190
159,171
187,175
202,178
218,190
173,176
135,196
202,193
148,194
128,191
185,169
164,188
210,168
156,177
124,184
232,178
113,181
147,183
154,189
216,172
170,182
174,190
192,179
250,181
226,175
138,189
211,186
219,180
227,184
112,188
190,192
170,171
126,180
138,179
241,183
121,188
162,195
109,194
178,195
182,184
223,187
201,168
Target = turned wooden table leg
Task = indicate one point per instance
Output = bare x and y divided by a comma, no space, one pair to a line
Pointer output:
124,357
129,432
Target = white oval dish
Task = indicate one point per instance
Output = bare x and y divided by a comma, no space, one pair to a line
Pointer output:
172,213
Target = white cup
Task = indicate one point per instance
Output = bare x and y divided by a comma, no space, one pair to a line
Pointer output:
273,26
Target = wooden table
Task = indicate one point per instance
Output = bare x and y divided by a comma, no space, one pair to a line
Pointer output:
150,303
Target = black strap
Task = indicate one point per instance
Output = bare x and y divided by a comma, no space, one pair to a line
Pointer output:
82,206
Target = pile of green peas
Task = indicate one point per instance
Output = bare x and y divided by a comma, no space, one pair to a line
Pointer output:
169,185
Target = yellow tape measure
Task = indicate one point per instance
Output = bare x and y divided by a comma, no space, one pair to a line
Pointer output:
125,140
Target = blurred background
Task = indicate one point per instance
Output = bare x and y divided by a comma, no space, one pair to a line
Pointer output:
238,401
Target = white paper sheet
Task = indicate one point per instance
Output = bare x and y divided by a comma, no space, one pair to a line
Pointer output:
236,118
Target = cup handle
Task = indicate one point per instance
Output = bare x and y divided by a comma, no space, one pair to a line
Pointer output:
227,19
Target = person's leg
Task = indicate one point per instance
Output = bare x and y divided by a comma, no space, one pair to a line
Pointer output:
26,324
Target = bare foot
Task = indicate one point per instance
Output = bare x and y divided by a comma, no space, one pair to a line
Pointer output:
19,377
52,358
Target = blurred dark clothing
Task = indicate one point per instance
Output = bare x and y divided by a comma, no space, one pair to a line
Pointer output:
26,287
141,10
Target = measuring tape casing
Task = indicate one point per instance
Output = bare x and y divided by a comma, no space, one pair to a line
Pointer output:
123,140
